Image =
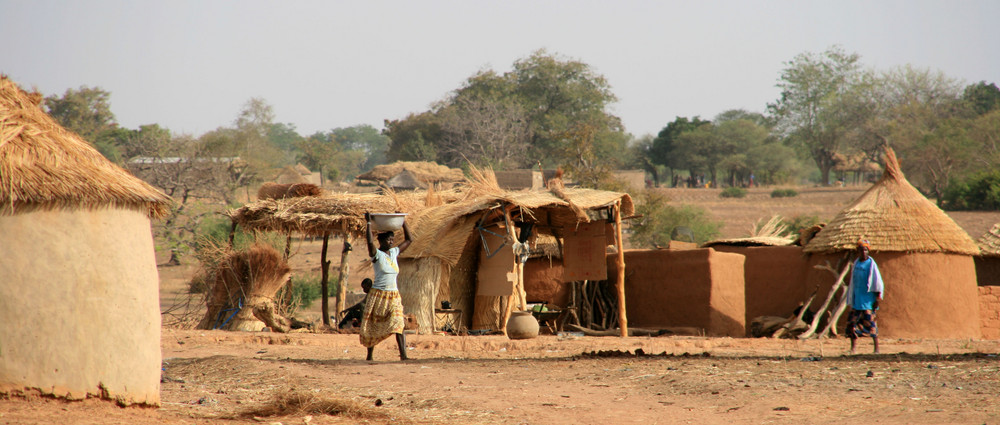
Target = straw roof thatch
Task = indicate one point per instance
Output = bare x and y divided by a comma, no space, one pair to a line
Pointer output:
439,230
989,243
427,172
43,165
452,224
751,241
315,215
893,216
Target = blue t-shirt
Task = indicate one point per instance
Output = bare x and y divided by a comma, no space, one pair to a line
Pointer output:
386,269
863,300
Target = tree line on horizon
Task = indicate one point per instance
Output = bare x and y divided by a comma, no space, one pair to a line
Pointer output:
549,111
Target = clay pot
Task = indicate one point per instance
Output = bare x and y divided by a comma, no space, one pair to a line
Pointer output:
522,325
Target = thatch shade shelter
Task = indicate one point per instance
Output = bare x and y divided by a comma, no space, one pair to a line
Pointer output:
444,234
79,290
425,172
451,236
925,257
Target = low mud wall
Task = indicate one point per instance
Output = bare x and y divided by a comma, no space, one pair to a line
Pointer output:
775,279
989,311
699,288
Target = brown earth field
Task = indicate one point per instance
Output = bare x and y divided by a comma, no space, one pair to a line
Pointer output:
212,377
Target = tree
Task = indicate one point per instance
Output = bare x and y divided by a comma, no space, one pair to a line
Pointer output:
413,138
252,138
819,104
559,95
86,111
663,150
485,131
922,116
981,97
367,141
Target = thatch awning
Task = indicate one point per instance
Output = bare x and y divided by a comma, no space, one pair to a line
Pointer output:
452,224
989,243
426,172
893,216
333,213
751,241
438,231
43,165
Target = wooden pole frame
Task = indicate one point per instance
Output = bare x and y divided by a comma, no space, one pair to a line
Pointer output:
325,279
620,281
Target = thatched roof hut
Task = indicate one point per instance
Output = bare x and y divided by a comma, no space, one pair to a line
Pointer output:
894,217
79,290
989,243
988,262
425,172
924,256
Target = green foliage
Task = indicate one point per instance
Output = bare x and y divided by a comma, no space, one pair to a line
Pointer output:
86,111
823,99
784,193
733,192
981,97
660,219
307,289
213,231
980,192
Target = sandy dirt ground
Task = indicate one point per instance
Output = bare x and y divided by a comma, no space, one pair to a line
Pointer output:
214,377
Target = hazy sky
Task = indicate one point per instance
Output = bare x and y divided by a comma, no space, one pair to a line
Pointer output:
190,65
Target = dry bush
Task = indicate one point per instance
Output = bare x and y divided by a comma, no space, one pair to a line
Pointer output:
287,402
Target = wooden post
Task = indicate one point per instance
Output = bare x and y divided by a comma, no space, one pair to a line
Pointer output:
232,234
288,245
620,283
345,269
325,279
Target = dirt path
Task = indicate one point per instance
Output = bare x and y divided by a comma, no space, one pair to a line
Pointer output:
223,377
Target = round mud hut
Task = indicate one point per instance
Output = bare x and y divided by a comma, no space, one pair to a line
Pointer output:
79,291
925,258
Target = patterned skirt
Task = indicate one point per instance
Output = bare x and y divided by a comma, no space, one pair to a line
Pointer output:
861,323
383,317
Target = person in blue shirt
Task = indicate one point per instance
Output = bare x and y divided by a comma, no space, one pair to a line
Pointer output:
863,295
383,315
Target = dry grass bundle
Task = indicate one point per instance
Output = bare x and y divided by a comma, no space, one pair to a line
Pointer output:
773,228
43,165
427,172
243,279
990,242
271,190
767,234
286,402
893,216
557,187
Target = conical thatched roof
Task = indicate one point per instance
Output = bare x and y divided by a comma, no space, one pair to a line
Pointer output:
990,242
405,180
427,172
893,216
43,165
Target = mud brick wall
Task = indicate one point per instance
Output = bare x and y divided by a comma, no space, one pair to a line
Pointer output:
989,311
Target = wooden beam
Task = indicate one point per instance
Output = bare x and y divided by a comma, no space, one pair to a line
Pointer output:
325,279
345,269
620,282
